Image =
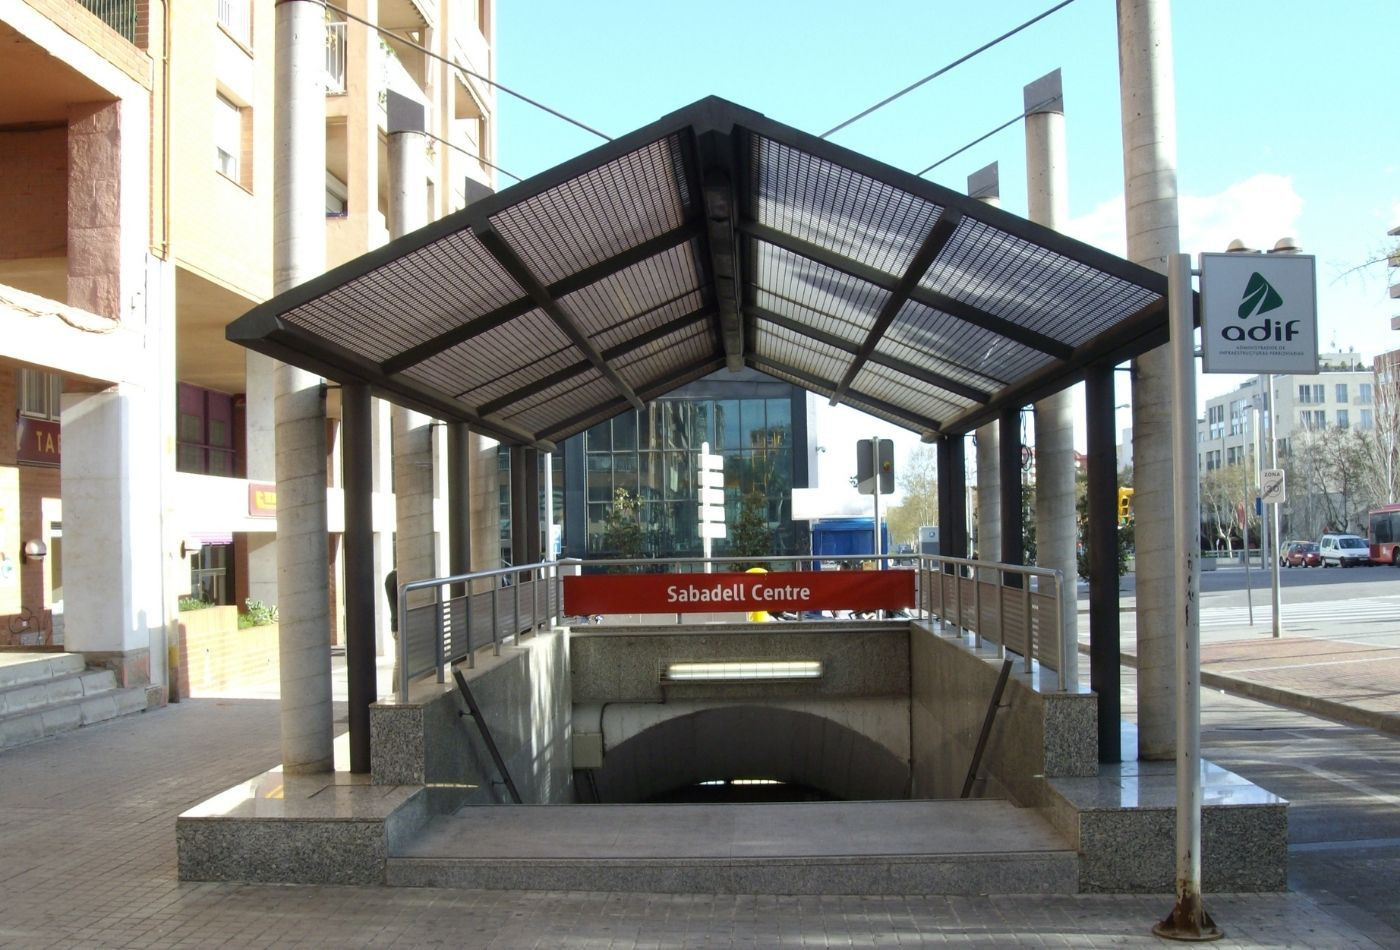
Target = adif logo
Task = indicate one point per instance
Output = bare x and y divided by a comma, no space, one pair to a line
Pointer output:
1259,298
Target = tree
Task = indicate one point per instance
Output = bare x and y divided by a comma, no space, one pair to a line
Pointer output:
1336,471
622,529
1223,490
1385,444
1081,509
752,535
918,480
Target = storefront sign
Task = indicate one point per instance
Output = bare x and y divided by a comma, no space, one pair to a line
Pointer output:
704,593
1258,313
38,442
262,500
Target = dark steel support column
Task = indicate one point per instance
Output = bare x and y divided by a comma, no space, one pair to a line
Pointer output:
357,471
459,499
952,503
519,514
1013,526
575,498
1101,537
532,506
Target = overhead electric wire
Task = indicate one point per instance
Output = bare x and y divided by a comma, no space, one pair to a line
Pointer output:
475,75
982,138
957,62
439,138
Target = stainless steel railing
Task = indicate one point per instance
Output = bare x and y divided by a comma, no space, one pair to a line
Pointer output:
445,620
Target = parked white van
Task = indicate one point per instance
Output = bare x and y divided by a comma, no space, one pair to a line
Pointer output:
1344,550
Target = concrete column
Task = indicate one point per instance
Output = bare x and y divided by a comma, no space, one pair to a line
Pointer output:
299,253
985,186
486,503
119,559
459,513
416,537
519,499
1056,534
1149,169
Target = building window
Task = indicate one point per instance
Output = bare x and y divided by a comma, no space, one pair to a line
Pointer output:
1363,394
39,394
337,197
228,138
1342,393
1313,418
209,574
1343,419
204,444
1368,421
235,17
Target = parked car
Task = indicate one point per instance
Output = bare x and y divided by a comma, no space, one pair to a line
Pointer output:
1303,554
1284,548
1344,550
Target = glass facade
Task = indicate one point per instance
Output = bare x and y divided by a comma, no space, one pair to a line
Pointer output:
653,455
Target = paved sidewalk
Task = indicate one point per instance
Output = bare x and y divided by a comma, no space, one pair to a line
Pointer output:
87,859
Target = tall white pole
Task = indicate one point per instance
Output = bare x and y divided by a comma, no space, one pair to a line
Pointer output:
985,185
1188,918
298,254
1273,513
875,468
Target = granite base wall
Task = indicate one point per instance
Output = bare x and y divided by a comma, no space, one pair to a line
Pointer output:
524,695
1035,734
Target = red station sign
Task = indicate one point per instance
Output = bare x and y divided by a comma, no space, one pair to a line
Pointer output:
696,593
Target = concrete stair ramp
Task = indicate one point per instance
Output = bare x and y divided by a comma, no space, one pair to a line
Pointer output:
877,848
44,694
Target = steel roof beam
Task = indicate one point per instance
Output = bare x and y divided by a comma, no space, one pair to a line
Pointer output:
522,275
934,242
926,428
560,288
610,354
929,298
717,173
591,417
902,366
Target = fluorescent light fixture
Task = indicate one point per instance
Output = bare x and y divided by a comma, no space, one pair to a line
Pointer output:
745,670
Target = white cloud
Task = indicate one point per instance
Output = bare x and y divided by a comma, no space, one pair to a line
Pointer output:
1258,210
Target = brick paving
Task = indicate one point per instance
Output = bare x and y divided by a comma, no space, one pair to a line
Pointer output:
87,859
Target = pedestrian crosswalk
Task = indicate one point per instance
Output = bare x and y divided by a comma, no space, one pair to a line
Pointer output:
1381,614
1329,613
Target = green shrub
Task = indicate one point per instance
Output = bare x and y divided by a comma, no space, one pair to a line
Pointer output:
193,603
258,614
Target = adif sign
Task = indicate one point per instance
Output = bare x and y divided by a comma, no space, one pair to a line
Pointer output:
1258,313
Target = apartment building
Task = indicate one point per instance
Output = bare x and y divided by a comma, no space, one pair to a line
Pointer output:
1341,394
136,176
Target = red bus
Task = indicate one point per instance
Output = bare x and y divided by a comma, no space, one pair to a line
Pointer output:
1384,535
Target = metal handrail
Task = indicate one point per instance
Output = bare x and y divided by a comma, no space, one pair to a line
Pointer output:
451,593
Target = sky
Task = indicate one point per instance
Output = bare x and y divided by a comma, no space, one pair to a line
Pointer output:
1283,109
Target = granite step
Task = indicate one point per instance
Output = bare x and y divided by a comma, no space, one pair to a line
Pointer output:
17,669
877,848
43,695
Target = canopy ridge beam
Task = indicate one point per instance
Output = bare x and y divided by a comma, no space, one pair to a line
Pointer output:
937,380
927,428
929,298
717,171
610,354
937,238
522,275
589,417
560,288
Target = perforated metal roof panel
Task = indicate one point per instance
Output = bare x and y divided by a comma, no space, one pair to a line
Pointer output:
715,237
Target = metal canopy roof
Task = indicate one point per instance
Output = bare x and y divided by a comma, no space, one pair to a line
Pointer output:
711,238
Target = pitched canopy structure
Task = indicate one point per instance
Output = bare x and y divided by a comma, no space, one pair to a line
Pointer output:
716,238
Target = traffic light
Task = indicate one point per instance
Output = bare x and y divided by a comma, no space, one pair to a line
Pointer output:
1125,505
886,453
